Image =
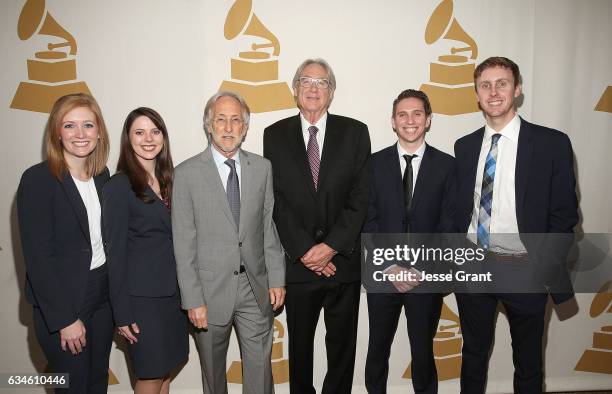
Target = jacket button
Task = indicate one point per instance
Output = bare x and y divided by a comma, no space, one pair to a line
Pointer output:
240,244
235,272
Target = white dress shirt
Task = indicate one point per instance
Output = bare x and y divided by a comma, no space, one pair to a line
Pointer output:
321,123
503,210
416,161
224,169
89,195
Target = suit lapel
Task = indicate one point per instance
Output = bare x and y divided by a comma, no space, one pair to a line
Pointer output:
523,166
471,159
298,148
76,202
425,168
160,208
394,172
332,139
246,181
210,174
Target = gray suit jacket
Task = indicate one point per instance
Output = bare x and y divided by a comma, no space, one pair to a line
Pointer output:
208,247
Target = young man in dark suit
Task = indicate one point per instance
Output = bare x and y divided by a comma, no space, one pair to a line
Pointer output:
320,167
514,177
411,192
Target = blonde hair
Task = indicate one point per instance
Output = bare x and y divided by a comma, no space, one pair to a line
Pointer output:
96,161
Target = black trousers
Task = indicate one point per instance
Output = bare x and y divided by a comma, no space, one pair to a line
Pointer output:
89,369
340,303
422,315
477,313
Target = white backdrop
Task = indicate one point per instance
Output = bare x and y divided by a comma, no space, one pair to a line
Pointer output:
172,56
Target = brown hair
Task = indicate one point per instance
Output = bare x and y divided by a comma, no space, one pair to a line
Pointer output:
129,165
96,161
408,93
499,61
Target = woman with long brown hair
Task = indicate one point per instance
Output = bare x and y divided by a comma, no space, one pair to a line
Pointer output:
59,214
144,290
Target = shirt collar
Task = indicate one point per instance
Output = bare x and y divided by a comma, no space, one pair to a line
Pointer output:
419,152
220,159
510,131
321,123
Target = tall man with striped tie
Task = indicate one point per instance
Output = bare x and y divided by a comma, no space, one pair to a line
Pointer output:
320,166
513,177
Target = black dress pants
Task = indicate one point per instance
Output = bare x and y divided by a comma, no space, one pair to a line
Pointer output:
340,303
422,315
525,312
88,370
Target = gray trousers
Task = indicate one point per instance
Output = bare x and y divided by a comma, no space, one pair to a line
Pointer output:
254,332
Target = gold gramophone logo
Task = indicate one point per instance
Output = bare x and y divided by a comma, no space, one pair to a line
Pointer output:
280,365
599,358
605,102
52,73
451,87
446,347
255,72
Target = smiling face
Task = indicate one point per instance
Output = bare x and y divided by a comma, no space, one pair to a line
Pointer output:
410,121
146,139
313,101
228,127
79,134
497,91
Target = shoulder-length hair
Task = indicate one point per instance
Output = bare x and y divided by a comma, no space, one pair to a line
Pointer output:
129,165
96,161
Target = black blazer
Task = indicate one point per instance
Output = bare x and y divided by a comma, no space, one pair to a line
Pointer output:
333,214
139,247
432,207
545,188
56,244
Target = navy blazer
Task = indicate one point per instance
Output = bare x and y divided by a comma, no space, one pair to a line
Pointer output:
545,185
336,211
56,244
432,206
140,251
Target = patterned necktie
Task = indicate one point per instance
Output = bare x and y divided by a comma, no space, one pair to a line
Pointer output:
407,180
312,151
233,191
486,194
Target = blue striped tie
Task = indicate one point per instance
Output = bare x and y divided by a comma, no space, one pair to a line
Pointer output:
486,194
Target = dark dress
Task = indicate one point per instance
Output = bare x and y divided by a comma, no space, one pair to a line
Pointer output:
142,277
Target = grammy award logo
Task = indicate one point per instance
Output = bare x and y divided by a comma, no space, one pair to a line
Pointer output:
605,102
51,73
446,347
451,87
255,72
599,358
280,365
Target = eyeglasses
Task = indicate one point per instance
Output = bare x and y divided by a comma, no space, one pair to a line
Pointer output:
221,121
307,82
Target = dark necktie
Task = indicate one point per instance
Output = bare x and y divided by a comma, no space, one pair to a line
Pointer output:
233,191
312,151
407,180
486,195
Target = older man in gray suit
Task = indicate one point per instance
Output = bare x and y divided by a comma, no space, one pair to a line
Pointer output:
230,263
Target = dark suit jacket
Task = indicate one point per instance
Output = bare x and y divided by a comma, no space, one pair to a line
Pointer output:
56,244
333,214
432,207
544,186
140,253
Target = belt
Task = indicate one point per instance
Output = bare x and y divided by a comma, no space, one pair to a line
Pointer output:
507,258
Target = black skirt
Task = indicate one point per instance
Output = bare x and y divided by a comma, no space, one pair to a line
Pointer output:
163,342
